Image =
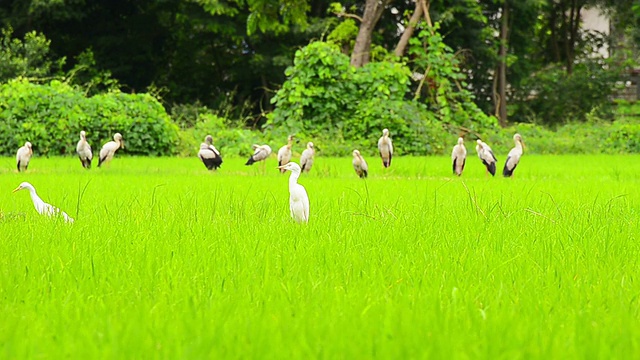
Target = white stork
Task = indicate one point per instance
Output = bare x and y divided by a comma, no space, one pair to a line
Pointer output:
459,156
284,153
109,149
306,159
260,153
514,156
385,146
360,165
24,156
42,207
84,151
209,155
298,198
486,155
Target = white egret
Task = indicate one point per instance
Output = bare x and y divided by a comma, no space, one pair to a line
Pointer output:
42,207
486,155
109,149
385,146
459,156
514,156
84,151
360,165
284,153
298,199
24,156
209,155
306,159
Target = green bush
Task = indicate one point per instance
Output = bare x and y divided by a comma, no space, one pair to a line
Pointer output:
326,98
228,140
29,57
553,97
595,137
52,115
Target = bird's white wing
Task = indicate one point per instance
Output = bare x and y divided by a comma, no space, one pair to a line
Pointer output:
206,152
84,150
108,149
305,204
260,154
284,155
513,158
51,211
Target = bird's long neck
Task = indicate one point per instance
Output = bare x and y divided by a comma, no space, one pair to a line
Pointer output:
293,179
518,145
34,197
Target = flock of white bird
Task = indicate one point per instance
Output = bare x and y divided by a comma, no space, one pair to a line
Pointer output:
83,149
85,154
298,198
489,160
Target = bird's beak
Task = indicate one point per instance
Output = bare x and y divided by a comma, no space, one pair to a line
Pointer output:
16,189
280,167
122,144
522,142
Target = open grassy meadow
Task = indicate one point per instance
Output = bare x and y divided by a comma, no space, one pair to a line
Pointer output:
168,260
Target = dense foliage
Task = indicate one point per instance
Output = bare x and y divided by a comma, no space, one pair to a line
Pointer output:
52,115
325,97
258,70
235,52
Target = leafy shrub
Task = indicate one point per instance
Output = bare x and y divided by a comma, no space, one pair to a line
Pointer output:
231,141
443,83
325,97
51,117
555,98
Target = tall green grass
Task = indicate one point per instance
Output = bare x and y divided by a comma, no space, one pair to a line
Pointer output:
168,260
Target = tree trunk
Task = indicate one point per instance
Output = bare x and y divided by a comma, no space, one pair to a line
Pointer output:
502,66
362,49
553,27
574,27
408,31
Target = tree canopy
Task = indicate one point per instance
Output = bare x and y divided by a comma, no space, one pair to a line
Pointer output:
505,55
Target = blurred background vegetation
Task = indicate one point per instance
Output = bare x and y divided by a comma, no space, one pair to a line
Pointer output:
167,72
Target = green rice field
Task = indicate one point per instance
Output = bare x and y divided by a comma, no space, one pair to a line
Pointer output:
168,260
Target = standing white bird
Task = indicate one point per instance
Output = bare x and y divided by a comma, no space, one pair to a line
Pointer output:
298,199
514,156
209,155
486,155
24,156
306,159
360,165
41,206
459,156
385,146
284,153
109,149
84,151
